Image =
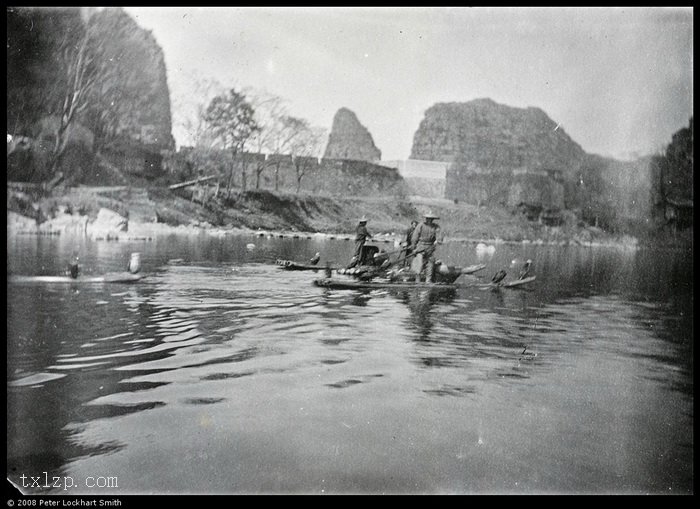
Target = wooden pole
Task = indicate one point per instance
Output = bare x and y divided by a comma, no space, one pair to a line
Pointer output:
190,182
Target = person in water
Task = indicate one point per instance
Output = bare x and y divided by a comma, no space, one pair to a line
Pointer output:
74,268
134,263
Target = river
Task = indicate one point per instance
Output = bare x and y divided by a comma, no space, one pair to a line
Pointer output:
220,373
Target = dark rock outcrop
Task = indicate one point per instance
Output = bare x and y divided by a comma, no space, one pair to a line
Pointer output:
674,172
350,140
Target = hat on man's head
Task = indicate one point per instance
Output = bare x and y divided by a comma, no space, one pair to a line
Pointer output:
363,219
430,215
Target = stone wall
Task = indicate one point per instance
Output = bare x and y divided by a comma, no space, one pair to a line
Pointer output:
353,178
329,177
426,187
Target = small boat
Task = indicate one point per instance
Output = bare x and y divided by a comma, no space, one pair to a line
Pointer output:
110,277
511,284
473,268
518,282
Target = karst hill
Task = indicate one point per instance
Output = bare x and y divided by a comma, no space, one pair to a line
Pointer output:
483,134
522,159
349,139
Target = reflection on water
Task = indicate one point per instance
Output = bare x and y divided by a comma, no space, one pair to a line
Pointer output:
221,373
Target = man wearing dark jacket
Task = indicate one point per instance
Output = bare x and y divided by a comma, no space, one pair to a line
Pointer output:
361,236
424,239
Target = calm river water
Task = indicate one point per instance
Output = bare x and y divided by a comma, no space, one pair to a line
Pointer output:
222,374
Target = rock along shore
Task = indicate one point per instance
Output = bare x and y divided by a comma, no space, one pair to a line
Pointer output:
110,226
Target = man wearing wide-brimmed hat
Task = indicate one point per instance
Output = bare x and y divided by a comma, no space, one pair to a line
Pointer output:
361,236
423,241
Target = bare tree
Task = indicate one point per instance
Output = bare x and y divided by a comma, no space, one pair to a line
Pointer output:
232,120
99,86
78,58
285,131
193,106
269,109
305,146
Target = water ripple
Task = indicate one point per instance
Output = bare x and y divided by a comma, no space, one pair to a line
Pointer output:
248,372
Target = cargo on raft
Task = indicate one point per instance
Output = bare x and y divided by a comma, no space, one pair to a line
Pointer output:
442,273
375,262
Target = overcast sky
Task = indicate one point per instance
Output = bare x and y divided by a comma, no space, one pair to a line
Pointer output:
618,80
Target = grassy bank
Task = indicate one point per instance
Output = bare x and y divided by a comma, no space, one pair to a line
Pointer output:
161,208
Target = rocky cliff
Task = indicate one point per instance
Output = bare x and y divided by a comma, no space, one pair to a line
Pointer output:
144,87
349,139
130,102
523,160
482,135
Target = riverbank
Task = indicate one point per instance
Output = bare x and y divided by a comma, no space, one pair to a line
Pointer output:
129,213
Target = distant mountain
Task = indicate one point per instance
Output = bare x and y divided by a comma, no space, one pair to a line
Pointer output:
349,139
485,135
523,160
